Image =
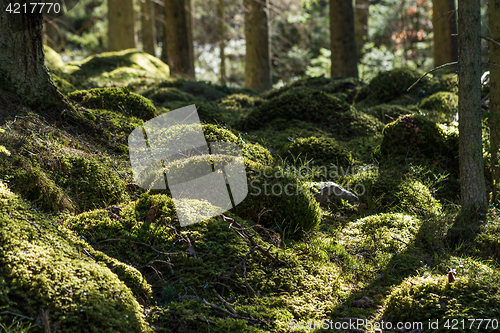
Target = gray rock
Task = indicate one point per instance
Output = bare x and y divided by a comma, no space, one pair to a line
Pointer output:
329,191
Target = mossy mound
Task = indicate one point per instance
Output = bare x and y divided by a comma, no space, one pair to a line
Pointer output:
201,89
43,273
52,59
345,88
442,106
65,182
188,266
115,99
207,112
388,192
165,95
411,138
449,82
387,113
240,101
316,107
278,199
323,151
474,294
62,85
144,63
390,85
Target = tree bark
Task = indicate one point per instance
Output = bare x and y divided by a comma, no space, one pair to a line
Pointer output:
342,39
148,23
222,41
176,31
494,119
444,25
257,56
121,31
189,24
472,182
361,12
22,60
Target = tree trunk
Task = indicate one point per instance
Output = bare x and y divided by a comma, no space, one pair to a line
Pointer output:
176,31
444,25
22,60
342,39
148,26
361,12
222,41
494,119
257,56
121,32
472,183
189,24
161,36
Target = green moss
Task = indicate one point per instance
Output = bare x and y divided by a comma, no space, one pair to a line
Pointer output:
203,90
387,113
449,82
240,101
316,107
62,85
52,59
413,137
109,61
42,268
165,95
442,106
388,192
115,99
278,199
474,294
323,151
390,85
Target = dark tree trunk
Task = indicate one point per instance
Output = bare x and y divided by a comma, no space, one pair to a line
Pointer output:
222,40
257,56
444,25
189,24
361,12
472,183
177,38
121,31
494,119
22,60
342,39
148,26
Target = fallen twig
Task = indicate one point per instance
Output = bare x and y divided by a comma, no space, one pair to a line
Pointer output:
432,70
15,314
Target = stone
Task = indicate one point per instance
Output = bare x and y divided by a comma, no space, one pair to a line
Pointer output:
329,191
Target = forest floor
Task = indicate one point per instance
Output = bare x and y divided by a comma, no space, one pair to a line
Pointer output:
83,248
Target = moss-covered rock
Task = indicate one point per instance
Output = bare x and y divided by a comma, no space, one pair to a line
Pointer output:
202,90
240,101
449,82
442,106
278,199
323,151
316,107
165,95
115,99
413,137
390,85
43,273
474,294
52,59
387,113
145,63
387,192
207,112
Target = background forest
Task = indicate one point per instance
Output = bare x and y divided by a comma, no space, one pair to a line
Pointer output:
357,138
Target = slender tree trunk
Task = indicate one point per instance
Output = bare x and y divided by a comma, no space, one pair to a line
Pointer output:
176,30
189,23
361,12
121,31
342,39
161,36
444,25
148,26
22,60
494,119
222,41
472,183
257,56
